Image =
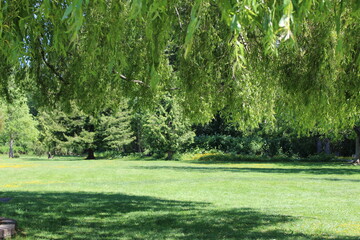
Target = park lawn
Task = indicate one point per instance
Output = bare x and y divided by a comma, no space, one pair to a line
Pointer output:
72,198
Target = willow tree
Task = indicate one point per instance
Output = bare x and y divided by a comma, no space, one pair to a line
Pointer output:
254,61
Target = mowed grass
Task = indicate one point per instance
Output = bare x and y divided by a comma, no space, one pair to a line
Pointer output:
72,198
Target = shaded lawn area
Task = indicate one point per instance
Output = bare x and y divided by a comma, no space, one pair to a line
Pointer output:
118,216
70,198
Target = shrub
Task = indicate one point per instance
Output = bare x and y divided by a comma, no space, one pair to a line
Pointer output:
322,157
4,149
213,157
252,145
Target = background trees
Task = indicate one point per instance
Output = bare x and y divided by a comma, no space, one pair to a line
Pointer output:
77,132
166,130
161,131
19,127
115,129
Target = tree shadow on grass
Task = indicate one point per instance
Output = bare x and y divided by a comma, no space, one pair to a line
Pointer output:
83,158
118,216
313,170
54,159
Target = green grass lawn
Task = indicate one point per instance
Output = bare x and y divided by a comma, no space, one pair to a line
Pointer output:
72,198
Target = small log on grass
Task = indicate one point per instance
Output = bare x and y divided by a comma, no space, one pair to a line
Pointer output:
7,228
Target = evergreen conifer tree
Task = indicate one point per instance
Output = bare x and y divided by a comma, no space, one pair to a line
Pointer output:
166,130
115,129
77,132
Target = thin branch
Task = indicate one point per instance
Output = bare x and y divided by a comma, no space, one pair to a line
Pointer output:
137,81
178,14
122,76
173,89
49,65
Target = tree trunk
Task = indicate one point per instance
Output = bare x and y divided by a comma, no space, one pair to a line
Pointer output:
357,142
90,154
11,147
170,155
323,145
319,147
327,146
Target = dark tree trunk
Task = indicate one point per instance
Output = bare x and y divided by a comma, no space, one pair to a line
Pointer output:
327,146
90,154
357,142
11,147
170,155
50,156
319,148
323,145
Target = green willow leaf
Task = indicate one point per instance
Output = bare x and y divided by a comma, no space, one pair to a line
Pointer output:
155,78
193,25
67,12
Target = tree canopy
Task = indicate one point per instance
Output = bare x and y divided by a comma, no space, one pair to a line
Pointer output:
19,125
252,61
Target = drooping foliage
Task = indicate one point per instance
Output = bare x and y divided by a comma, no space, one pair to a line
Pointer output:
1,120
297,60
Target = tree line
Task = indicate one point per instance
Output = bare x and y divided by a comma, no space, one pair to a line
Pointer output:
120,130
162,132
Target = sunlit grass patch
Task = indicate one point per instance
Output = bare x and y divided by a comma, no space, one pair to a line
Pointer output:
4,165
350,227
24,183
10,186
201,155
32,182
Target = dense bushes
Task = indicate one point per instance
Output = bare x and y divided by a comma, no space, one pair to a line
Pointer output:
258,145
322,157
243,145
